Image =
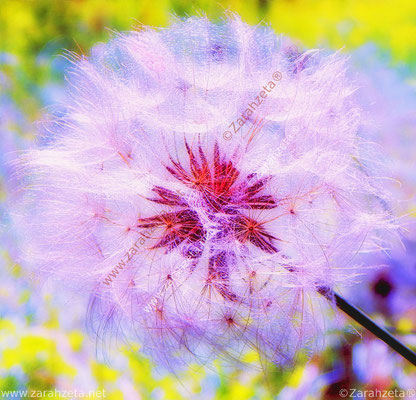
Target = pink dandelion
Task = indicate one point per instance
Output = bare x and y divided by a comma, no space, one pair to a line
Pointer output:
206,186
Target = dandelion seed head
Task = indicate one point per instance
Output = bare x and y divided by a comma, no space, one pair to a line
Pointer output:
199,244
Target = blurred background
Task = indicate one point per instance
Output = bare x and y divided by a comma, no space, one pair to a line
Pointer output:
44,345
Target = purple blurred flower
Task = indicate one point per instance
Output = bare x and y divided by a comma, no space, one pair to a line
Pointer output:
390,290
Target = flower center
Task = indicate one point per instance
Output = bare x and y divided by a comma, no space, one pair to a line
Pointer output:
213,213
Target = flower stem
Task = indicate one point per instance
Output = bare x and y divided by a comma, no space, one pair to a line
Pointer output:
364,320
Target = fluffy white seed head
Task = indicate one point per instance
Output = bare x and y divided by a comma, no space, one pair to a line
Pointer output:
205,181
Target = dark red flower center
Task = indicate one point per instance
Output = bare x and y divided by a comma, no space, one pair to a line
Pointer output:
213,211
